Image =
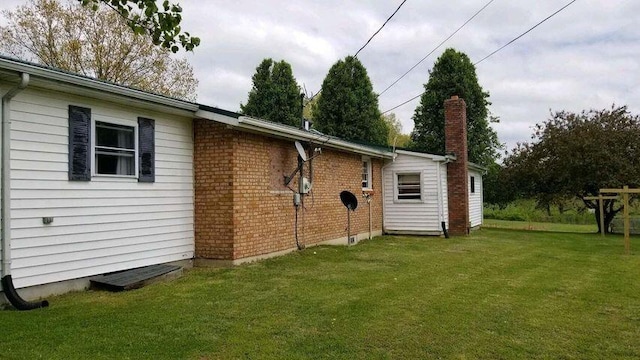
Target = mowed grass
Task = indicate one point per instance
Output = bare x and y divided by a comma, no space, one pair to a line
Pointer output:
539,226
496,294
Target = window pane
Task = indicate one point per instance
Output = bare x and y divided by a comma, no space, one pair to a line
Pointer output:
115,162
115,136
365,174
409,187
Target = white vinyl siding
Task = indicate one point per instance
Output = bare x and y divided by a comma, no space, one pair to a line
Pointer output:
475,199
103,225
414,215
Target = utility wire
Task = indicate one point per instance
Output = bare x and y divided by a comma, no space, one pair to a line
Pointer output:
371,38
376,33
435,48
408,101
525,33
502,47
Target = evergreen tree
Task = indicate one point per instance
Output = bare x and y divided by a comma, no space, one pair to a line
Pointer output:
454,74
348,107
275,95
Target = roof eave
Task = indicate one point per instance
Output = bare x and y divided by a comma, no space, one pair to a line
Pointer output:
279,130
51,75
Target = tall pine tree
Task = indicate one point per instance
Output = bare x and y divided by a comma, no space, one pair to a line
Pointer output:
348,107
275,95
454,74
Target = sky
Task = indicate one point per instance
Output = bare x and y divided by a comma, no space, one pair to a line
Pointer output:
585,57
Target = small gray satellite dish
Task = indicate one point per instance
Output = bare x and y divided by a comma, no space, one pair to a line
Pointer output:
301,152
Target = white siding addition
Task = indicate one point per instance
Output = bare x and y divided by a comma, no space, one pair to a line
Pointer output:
107,224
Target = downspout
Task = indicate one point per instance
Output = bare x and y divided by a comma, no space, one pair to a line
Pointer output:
447,160
382,192
7,283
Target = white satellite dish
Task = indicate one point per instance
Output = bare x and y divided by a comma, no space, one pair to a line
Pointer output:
301,152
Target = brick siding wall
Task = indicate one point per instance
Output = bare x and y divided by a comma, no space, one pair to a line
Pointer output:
213,187
247,172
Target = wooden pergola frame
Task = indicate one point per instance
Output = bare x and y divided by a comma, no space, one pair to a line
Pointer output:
625,191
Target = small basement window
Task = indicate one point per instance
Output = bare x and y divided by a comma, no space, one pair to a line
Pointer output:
115,149
409,187
366,173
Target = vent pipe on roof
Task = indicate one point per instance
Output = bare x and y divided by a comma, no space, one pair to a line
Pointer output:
7,282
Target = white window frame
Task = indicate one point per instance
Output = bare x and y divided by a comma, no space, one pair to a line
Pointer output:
472,184
367,160
130,123
396,192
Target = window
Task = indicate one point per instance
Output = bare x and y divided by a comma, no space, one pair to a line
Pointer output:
125,148
366,173
115,149
473,184
408,186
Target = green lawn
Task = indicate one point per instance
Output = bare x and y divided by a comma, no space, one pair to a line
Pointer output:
496,294
539,226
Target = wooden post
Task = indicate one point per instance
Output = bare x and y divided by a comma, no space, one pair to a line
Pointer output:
625,200
625,191
601,205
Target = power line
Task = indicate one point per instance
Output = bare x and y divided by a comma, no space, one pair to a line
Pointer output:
526,32
435,48
502,47
371,38
406,102
376,33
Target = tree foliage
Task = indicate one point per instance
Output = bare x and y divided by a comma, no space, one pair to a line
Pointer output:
95,44
310,105
275,95
496,189
162,24
395,135
454,74
578,154
348,107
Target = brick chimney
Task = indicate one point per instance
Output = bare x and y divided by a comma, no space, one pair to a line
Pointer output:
455,133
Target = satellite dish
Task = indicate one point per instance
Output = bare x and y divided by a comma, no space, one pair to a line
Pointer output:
349,200
301,152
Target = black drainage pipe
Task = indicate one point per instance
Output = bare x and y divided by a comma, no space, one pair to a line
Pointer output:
15,299
444,230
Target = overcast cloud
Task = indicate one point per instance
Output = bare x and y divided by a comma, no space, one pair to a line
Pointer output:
588,56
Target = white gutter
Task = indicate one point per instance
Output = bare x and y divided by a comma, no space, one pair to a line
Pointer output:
6,173
210,115
251,124
477,167
433,157
68,78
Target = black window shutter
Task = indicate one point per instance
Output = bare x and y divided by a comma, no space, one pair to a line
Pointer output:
79,143
147,150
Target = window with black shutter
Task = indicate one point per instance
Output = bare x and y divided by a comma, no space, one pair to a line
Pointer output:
122,149
79,143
